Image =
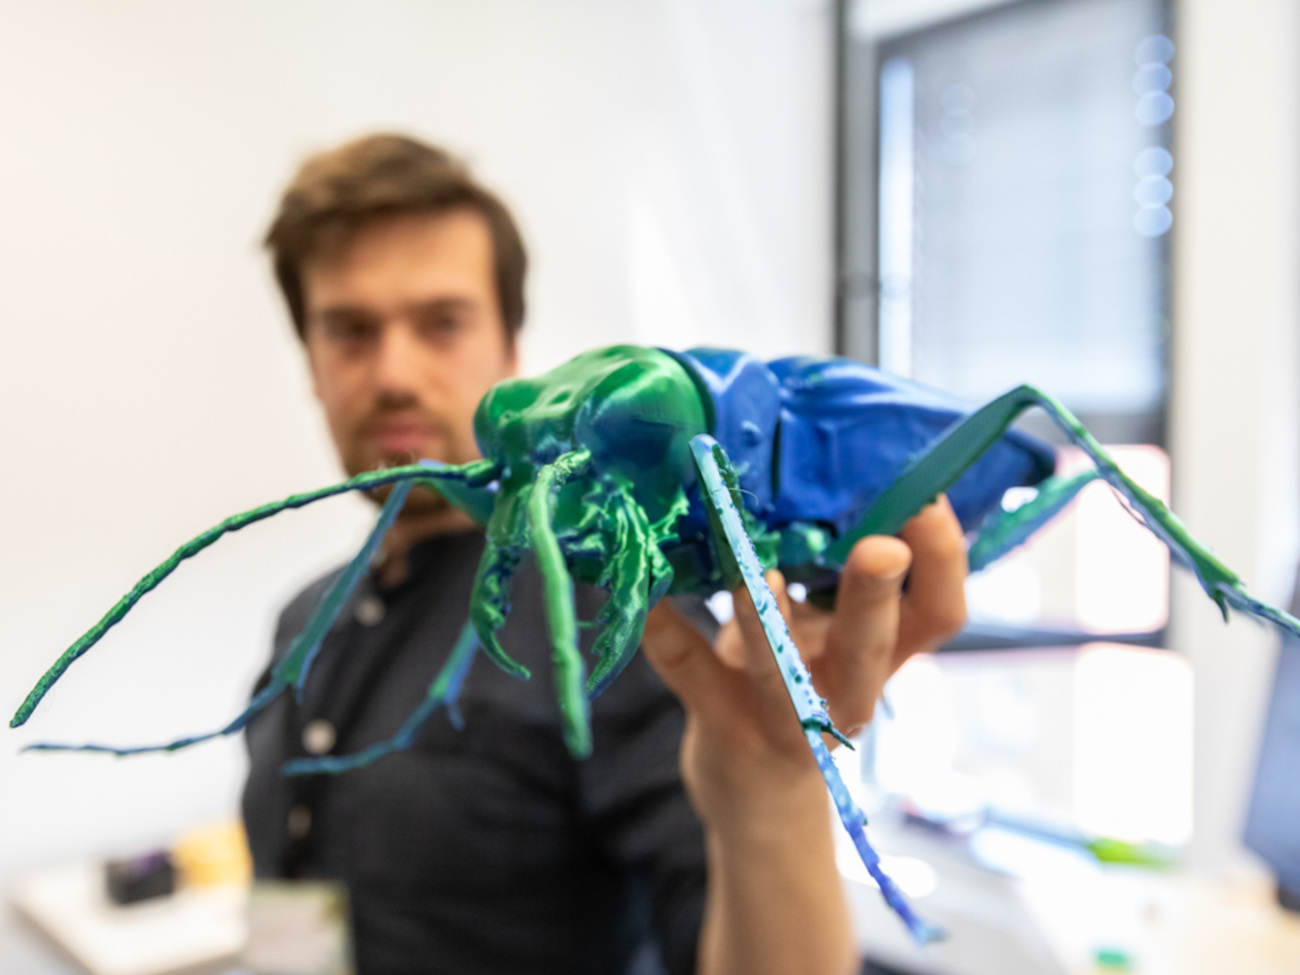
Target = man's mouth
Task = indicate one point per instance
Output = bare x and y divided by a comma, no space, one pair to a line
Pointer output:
402,437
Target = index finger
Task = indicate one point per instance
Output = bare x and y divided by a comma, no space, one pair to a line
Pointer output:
863,630
934,606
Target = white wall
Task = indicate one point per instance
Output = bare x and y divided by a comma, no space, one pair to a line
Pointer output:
669,161
1235,416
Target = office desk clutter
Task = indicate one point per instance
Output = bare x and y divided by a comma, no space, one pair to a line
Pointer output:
141,877
649,472
179,908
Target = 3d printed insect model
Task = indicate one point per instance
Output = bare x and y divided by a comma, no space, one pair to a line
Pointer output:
649,472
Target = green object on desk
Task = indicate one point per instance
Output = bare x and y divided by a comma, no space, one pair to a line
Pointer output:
1114,960
1147,855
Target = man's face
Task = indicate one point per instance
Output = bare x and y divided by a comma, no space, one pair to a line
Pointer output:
404,336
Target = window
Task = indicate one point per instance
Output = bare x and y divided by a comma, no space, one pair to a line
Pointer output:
1005,203
1016,167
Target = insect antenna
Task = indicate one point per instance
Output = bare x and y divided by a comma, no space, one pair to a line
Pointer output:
474,475
293,669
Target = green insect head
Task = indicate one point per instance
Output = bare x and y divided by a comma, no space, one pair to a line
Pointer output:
594,462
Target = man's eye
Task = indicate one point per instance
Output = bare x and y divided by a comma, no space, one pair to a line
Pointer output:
350,333
442,325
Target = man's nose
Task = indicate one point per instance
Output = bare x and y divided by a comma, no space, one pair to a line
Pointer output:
396,361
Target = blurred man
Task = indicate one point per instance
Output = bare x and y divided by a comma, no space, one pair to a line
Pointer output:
698,835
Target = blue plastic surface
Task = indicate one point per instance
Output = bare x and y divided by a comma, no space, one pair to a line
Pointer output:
818,439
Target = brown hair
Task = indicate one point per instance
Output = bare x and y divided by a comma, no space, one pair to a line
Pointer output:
334,193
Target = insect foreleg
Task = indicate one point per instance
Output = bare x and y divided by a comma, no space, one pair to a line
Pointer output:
292,670
491,594
444,691
557,592
810,708
629,542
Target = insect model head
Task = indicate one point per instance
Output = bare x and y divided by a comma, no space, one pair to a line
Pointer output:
633,410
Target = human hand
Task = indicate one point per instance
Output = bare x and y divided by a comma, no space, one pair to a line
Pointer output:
745,760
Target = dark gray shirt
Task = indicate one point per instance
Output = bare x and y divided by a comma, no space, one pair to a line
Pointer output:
487,849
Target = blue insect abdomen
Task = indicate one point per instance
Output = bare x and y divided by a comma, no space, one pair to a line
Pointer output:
848,430
818,439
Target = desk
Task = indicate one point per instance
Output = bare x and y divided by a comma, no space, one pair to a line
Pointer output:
1056,921
195,931
24,952
1171,925
1176,924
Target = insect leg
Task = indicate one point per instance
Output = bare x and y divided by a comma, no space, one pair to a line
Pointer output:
855,821
718,487
490,597
962,443
444,690
1219,582
292,670
557,593
474,475
935,470
629,545
1003,531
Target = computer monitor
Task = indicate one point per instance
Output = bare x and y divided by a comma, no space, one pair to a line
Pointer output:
1273,823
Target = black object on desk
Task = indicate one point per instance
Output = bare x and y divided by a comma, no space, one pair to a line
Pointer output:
140,878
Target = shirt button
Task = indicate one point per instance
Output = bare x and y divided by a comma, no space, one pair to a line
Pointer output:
299,822
318,736
370,610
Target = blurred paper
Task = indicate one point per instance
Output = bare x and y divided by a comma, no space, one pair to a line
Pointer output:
298,928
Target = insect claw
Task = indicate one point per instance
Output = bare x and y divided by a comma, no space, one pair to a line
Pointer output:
835,733
492,647
637,580
491,594
827,727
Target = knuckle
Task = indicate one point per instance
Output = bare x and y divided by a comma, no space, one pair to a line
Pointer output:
948,546
857,720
